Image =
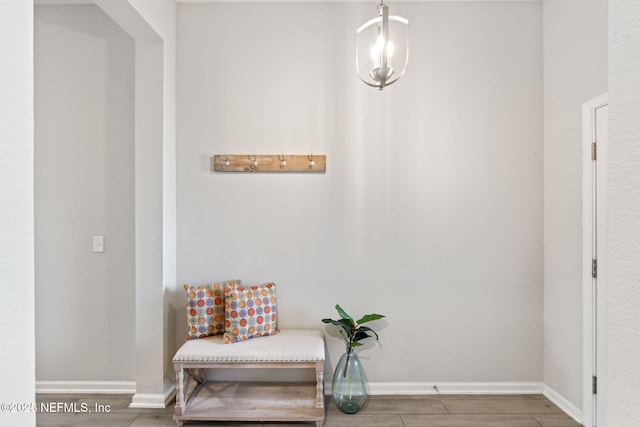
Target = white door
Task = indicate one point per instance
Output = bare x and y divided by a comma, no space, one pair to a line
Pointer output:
595,131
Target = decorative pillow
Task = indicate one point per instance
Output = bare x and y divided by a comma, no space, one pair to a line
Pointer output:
205,309
249,312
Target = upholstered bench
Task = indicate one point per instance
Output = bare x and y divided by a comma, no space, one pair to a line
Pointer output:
199,399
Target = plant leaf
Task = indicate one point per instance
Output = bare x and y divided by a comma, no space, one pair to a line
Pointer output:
370,317
366,329
348,325
343,313
333,322
360,335
344,323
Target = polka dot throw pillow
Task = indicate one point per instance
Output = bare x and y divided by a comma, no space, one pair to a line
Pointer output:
205,309
250,312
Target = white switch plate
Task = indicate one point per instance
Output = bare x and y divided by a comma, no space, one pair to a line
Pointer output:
98,243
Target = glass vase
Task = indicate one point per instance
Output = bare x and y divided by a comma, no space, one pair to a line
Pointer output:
348,387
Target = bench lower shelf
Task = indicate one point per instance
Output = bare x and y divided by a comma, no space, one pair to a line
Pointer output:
251,401
200,399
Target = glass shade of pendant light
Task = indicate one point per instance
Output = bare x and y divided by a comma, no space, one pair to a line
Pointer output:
382,48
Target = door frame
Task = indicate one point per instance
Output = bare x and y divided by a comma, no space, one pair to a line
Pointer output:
594,297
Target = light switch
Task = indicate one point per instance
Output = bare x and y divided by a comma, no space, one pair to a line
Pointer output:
98,243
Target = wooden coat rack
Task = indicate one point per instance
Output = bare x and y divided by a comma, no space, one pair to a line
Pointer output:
269,163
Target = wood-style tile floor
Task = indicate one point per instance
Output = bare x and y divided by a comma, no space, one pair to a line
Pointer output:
381,411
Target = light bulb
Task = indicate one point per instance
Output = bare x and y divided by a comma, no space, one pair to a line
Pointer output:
389,49
377,48
375,52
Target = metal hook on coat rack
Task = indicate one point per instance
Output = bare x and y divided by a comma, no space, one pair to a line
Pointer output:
283,162
312,162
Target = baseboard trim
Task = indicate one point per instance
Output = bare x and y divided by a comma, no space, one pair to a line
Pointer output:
97,387
147,401
408,388
561,402
170,395
153,401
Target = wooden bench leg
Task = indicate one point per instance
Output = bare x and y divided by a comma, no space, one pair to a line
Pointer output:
320,390
320,385
180,406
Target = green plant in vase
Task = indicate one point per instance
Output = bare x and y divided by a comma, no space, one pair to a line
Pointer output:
348,387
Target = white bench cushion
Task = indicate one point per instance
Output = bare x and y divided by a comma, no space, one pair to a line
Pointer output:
290,345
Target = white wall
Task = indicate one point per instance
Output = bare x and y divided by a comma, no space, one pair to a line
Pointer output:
623,332
431,207
17,359
84,186
575,70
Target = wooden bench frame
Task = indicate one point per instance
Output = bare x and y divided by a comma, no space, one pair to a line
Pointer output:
199,399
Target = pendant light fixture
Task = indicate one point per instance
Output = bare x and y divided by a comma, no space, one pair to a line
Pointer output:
382,48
